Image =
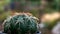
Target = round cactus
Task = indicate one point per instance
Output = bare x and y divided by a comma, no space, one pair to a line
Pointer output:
20,24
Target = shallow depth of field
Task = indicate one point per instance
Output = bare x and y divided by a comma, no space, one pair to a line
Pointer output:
47,12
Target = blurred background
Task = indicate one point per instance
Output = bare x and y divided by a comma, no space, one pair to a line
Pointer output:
48,11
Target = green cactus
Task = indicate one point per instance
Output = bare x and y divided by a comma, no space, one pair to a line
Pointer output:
20,24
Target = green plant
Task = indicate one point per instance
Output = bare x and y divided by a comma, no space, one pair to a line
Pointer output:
54,4
20,24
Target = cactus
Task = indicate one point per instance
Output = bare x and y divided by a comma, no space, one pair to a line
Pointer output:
20,24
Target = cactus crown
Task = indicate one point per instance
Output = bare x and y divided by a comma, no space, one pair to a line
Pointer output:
20,24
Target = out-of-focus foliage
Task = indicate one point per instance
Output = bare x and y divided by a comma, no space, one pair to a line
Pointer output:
50,25
3,13
3,16
35,12
54,4
3,3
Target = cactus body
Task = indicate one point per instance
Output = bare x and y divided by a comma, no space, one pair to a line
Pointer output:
20,24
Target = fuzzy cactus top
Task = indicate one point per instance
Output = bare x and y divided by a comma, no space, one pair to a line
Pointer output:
20,24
